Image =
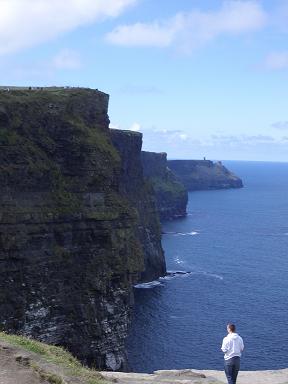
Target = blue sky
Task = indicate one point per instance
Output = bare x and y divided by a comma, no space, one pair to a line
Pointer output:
197,77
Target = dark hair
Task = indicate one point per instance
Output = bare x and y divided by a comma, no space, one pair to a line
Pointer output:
231,327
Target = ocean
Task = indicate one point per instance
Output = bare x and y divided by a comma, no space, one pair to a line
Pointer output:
234,247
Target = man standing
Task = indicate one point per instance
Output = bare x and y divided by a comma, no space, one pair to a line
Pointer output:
232,346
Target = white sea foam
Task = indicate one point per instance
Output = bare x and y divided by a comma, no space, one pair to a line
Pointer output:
193,233
175,274
178,260
166,278
149,285
208,274
181,273
172,274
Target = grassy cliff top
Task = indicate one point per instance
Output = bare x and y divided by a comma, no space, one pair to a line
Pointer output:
54,89
27,361
47,94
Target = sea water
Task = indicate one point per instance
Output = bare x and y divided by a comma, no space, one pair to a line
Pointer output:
233,244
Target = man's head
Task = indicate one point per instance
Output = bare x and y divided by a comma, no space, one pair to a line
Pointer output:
231,328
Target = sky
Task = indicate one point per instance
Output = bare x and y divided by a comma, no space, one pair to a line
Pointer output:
196,77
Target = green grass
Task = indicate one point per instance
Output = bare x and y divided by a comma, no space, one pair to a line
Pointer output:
167,186
54,355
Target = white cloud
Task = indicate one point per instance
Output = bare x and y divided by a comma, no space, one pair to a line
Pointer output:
238,140
243,147
183,136
189,30
166,138
66,59
114,126
154,34
136,127
24,23
282,125
277,60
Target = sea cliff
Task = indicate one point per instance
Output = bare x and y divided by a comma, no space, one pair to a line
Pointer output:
170,194
73,234
140,194
204,175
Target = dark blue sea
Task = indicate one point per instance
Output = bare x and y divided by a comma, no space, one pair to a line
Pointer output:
234,243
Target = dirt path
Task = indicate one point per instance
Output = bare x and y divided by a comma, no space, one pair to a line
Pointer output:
27,361
16,372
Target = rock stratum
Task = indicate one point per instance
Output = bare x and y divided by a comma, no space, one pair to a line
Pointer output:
78,223
171,195
204,175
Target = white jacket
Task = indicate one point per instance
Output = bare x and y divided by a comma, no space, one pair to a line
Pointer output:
232,345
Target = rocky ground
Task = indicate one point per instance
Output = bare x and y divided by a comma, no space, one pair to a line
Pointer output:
189,376
24,361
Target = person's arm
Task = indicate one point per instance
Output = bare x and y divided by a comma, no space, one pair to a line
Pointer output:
242,345
225,346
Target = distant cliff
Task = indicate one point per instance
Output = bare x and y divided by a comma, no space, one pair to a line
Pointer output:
171,195
204,175
78,225
141,196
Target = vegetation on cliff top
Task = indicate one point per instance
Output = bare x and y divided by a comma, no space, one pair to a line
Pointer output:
49,134
67,365
172,187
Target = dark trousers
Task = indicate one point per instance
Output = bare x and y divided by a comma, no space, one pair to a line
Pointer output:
232,367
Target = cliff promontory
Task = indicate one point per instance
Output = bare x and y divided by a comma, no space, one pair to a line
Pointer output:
204,175
171,195
73,238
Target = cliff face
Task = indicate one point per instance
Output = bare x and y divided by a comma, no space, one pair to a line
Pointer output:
141,195
204,175
70,248
171,195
